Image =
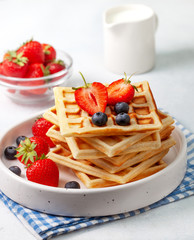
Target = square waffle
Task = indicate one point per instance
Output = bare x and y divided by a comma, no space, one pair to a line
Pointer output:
80,149
75,122
114,145
95,182
64,157
139,157
111,145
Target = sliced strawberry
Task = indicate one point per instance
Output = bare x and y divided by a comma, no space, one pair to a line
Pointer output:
120,91
92,98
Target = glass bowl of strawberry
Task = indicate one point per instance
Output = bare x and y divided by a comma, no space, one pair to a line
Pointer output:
29,73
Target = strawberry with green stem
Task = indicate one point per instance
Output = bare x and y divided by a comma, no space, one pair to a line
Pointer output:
49,53
55,66
91,97
33,51
31,149
37,70
121,91
15,64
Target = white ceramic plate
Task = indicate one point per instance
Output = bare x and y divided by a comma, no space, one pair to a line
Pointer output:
89,202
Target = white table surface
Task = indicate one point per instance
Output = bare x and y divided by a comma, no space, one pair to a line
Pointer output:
76,27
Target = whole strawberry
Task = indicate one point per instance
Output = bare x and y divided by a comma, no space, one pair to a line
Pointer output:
36,70
40,128
44,171
15,64
36,91
33,51
1,69
121,91
56,66
92,98
49,53
31,149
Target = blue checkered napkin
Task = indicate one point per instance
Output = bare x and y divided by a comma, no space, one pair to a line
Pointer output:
45,226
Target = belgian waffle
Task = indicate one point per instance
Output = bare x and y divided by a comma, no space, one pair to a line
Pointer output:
111,145
95,182
62,156
139,157
75,122
112,154
80,149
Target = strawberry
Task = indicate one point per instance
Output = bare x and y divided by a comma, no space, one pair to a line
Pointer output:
1,69
44,171
40,128
56,66
121,91
49,53
33,51
15,64
36,91
91,98
30,149
2,72
36,70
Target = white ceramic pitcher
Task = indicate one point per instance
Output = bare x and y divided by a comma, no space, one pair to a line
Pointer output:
129,38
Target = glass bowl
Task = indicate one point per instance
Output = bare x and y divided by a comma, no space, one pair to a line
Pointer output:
37,90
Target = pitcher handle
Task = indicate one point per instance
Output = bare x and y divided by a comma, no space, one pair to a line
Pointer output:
156,21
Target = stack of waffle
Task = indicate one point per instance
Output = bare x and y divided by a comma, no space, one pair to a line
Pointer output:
110,155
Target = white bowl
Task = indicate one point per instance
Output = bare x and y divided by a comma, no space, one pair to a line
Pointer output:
89,202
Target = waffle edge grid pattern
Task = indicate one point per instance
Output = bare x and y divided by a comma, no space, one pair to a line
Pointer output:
75,122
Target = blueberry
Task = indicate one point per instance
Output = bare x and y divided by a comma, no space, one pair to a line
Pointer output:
72,184
121,107
99,118
16,170
10,152
19,139
123,119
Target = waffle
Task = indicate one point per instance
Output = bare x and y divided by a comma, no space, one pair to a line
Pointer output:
51,115
112,154
95,182
140,157
75,122
111,145
64,157
80,149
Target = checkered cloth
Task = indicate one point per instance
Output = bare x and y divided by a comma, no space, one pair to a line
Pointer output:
45,226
